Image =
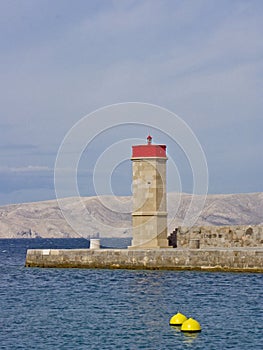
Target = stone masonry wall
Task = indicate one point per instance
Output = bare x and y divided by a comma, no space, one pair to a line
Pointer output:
149,217
236,259
220,236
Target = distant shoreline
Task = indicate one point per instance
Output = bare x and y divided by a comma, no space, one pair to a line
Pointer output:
107,218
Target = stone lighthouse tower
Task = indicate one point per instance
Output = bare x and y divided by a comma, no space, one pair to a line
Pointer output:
149,217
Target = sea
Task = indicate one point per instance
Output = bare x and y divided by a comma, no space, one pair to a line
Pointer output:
122,309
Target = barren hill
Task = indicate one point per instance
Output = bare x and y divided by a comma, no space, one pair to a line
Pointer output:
110,216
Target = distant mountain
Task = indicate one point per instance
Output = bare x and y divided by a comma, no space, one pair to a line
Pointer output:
222,209
110,216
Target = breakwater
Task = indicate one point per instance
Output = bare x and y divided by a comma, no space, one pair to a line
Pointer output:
213,259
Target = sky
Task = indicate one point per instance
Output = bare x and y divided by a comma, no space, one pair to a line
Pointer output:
62,60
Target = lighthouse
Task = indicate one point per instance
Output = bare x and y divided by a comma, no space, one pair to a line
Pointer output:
149,216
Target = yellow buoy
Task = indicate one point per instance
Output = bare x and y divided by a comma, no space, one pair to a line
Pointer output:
177,319
191,325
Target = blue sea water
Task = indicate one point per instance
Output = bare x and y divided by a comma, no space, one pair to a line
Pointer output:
122,309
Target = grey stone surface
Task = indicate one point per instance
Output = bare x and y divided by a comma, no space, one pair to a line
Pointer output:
237,259
220,236
149,216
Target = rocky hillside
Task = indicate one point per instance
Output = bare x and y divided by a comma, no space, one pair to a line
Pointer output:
111,217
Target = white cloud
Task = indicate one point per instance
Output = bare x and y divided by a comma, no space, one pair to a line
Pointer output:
25,169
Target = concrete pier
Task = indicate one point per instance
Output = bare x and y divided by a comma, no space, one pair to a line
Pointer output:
213,259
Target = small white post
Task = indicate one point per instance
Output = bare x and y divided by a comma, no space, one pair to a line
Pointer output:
94,243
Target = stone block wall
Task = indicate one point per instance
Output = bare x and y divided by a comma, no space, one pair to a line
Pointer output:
220,236
236,259
149,217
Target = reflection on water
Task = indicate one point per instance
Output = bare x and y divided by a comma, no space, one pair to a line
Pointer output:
186,338
177,329
189,338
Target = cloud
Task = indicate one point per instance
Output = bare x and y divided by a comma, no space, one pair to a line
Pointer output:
12,147
26,169
25,180
201,59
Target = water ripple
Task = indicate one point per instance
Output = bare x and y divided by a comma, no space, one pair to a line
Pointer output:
119,309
